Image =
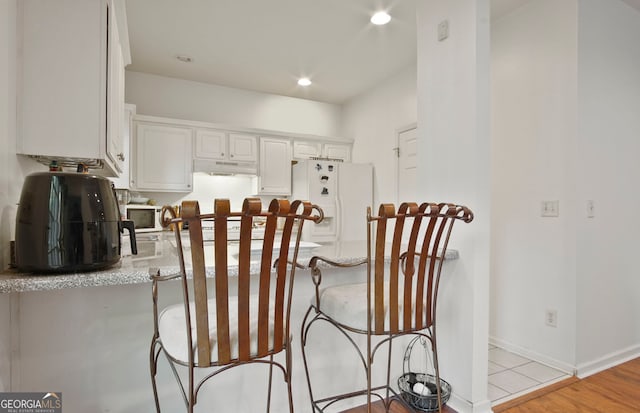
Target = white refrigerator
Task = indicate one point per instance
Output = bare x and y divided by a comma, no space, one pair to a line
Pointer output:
343,191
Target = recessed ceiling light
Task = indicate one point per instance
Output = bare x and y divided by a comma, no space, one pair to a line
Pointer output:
304,81
184,58
380,18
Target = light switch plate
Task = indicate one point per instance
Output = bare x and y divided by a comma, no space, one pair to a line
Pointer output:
443,30
550,209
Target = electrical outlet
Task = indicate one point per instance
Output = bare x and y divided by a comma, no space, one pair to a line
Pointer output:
550,208
551,318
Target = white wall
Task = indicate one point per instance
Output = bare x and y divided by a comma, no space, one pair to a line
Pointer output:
373,120
533,144
13,169
454,166
206,188
608,288
182,99
7,131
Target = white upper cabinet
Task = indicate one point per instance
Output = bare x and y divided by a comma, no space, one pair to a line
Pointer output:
243,148
115,100
163,158
310,149
307,150
71,83
220,145
210,144
122,182
337,151
274,175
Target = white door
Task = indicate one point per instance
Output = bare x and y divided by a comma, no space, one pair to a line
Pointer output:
407,165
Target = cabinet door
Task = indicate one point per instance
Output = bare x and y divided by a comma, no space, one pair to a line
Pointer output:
163,158
63,110
307,150
115,98
243,147
122,182
275,167
337,151
210,144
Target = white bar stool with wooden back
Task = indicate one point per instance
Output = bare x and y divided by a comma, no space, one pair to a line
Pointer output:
229,329
405,255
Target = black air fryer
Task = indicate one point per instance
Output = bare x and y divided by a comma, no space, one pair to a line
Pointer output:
68,222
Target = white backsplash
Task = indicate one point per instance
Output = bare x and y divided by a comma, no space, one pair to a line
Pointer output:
206,188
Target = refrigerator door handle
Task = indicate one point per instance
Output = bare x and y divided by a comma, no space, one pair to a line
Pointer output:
339,219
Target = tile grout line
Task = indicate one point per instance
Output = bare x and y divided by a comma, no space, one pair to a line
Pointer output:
538,384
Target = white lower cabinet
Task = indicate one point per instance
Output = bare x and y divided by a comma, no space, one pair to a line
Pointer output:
163,158
274,174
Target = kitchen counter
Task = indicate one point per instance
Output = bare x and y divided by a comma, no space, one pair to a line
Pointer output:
158,250
51,321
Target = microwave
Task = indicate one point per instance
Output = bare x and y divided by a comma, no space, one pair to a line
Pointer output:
146,218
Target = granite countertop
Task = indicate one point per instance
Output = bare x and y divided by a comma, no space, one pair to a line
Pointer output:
158,250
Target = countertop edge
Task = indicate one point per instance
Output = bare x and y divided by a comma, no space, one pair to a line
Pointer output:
12,281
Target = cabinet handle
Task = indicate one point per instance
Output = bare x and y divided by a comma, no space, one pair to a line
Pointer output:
231,155
121,156
222,154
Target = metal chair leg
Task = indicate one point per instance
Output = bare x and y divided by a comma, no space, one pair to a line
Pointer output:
369,363
270,382
288,378
303,342
387,403
437,371
153,366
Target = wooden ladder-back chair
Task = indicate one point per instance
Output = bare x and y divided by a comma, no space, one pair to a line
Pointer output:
406,251
229,329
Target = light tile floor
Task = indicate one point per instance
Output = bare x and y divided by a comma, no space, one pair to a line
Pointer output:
511,375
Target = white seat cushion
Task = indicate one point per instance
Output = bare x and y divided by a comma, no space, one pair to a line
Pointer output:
347,304
172,329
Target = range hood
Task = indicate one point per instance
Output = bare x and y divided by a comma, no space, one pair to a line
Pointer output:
214,167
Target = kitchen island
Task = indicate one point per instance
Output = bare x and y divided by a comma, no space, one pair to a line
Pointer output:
87,335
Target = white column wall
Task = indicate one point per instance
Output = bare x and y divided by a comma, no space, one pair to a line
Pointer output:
454,166
183,99
608,287
373,120
7,133
534,95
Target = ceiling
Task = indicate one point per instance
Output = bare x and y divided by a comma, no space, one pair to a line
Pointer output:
266,46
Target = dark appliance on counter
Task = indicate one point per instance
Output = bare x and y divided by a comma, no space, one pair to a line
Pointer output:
68,222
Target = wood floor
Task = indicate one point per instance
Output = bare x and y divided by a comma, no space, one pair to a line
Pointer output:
616,390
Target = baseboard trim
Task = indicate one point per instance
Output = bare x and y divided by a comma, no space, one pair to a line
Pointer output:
461,405
532,355
534,395
608,361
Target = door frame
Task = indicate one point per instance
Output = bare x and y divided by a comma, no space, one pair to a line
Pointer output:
399,131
